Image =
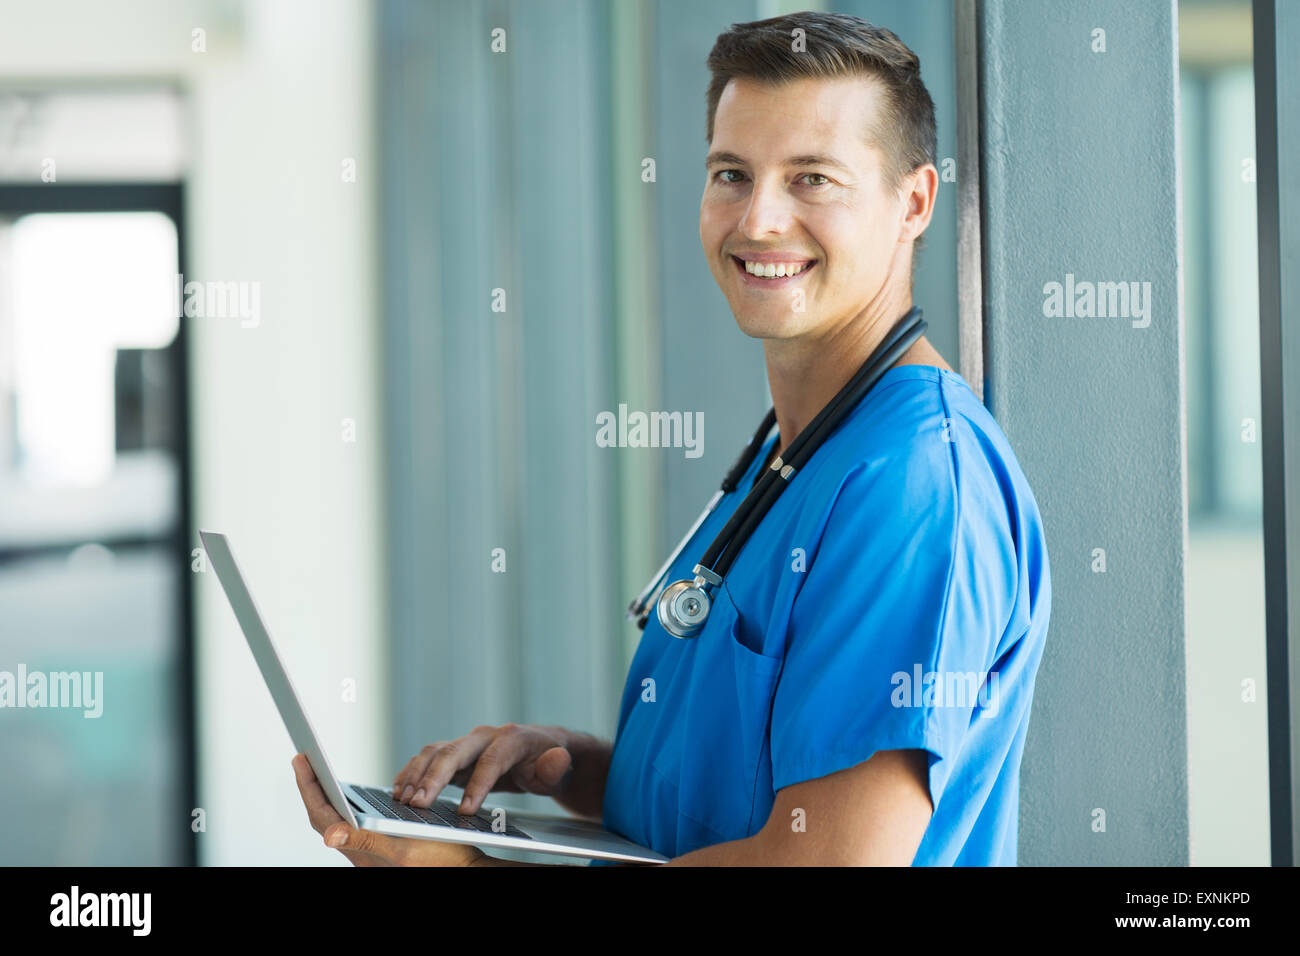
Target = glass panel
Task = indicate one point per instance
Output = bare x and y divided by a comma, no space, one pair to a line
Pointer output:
84,286
1227,715
89,596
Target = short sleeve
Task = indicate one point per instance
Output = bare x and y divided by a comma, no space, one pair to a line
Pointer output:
894,628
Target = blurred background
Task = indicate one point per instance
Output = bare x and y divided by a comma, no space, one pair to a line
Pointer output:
446,262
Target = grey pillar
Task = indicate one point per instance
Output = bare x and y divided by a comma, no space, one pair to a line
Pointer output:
1080,167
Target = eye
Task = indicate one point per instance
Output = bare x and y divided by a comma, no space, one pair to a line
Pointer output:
723,172
823,179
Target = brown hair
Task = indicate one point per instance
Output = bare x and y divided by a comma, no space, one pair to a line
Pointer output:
836,45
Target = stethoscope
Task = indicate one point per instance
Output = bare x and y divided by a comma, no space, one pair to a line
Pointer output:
684,605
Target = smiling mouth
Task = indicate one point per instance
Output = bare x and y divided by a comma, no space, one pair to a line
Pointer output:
773,271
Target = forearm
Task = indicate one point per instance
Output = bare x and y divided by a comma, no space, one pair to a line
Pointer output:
749,851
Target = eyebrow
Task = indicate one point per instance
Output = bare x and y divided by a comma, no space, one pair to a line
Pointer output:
809,159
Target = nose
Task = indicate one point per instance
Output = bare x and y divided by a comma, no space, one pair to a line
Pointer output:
768,211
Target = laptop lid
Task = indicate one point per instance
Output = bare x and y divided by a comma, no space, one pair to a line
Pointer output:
273,672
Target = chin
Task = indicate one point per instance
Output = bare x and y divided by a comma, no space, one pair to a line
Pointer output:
766,327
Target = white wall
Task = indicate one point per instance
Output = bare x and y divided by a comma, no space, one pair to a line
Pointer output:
280,98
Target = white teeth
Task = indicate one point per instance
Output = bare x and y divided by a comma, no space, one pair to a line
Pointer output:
774,270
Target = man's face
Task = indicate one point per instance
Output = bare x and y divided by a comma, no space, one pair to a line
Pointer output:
791,180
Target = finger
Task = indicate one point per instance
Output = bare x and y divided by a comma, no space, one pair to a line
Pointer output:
449,759
368,848
374,848
550,771
355,857
416,771
500,756
319,811
352,847
505,784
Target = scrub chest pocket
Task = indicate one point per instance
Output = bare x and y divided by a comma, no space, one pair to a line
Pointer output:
714,752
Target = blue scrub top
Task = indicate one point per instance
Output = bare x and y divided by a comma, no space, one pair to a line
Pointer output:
895,597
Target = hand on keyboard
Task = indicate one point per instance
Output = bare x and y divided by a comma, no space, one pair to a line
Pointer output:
514,758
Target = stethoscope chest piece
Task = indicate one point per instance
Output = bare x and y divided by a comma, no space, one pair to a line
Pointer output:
684,605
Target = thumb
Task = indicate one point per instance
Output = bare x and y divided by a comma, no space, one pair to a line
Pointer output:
342,836
552,768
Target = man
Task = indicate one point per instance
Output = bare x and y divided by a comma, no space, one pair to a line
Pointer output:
861,691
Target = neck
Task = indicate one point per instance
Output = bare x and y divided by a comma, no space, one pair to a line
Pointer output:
805,374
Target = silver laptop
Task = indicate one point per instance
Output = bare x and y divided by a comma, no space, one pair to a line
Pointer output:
372,808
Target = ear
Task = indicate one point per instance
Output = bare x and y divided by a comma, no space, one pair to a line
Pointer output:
919,190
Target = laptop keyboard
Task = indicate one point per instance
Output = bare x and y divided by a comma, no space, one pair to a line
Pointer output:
441,814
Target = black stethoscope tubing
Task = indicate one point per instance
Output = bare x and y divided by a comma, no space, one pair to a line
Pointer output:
726,546
776,478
